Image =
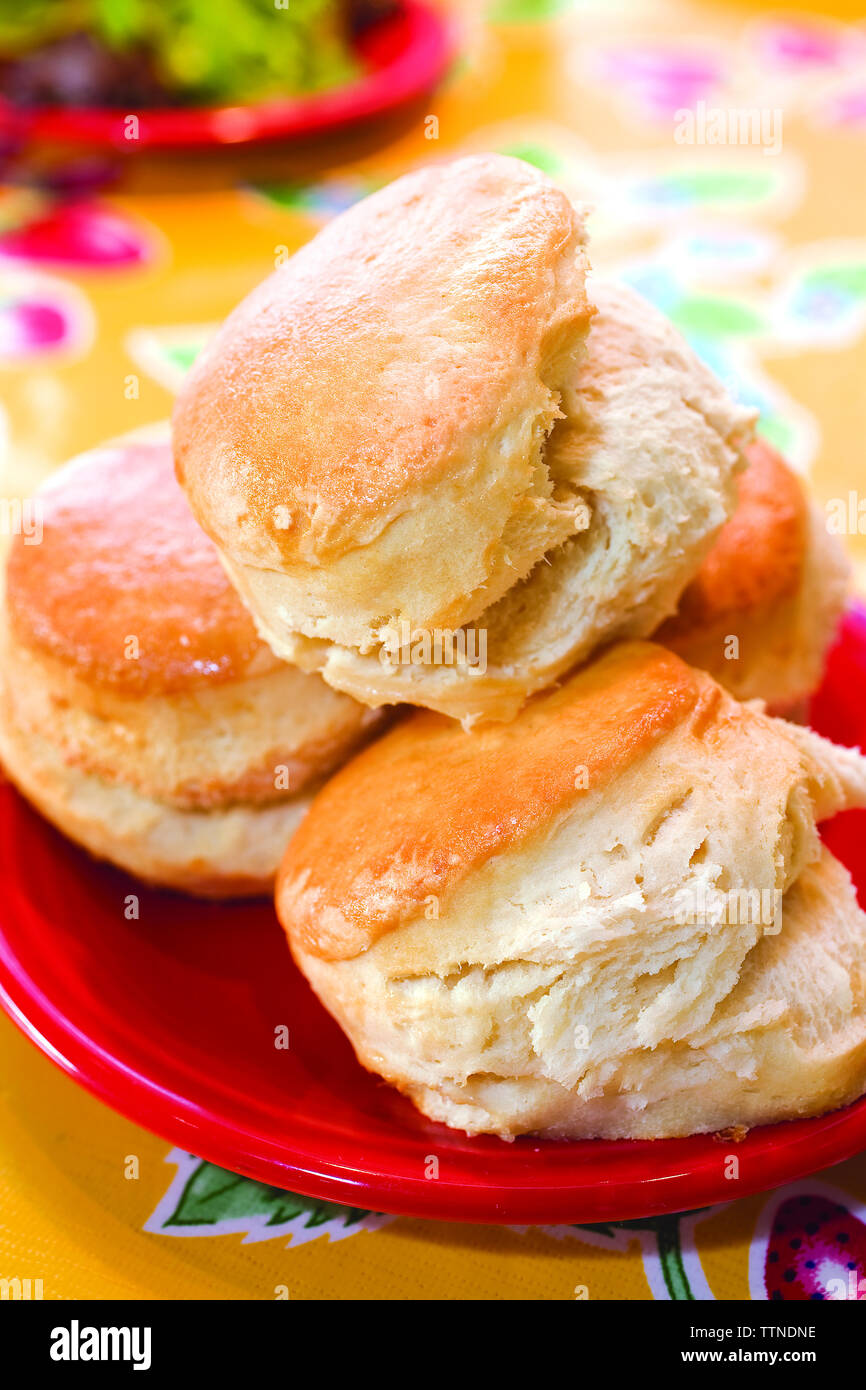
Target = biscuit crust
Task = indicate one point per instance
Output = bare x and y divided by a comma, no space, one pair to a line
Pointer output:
229,851
199,748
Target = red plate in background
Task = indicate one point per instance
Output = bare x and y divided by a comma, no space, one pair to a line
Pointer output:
403,56
171,1019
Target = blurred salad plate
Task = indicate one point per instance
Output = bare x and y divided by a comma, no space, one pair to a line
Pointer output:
121,79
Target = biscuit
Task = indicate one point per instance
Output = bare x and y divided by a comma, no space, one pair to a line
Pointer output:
612,917
364,437
764,607
139,709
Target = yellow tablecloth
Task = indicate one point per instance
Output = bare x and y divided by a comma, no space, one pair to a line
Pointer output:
749,229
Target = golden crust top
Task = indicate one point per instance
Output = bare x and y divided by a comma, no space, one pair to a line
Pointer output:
420,810
758,557
125,589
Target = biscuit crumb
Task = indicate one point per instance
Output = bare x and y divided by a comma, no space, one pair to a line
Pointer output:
734,1134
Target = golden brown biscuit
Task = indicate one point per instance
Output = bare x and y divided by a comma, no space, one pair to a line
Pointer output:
611,917
139,709
765,605
364,438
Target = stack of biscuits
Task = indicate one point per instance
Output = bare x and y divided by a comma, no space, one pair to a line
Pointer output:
433,461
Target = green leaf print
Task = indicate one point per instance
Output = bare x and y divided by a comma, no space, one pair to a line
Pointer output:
212,1195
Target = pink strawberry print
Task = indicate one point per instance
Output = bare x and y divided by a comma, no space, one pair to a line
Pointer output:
28,327
76,234
801,44
816,1251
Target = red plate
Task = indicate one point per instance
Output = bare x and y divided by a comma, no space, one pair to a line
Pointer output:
403,56
171,1019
